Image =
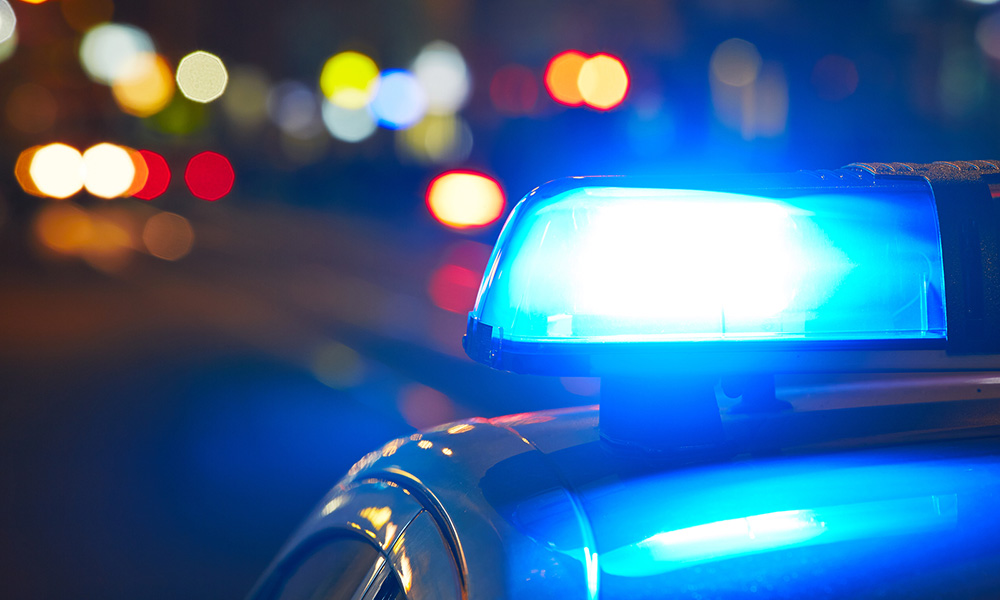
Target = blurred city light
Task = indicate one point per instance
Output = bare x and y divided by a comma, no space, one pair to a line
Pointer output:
64,228
8,46
31,108
562,77
158,176
22,171
988,35
514,90
463,199
201,76
115,236
436,139
348,124
444,76
749,95
81,15
400,101
603,81
835,77
108,170
453,285
108,51
209,176
338,366
57,170
246,102
424,407
295,110
147,88
453,288
141,173
8,21
34,1
735,62
349,80
168,236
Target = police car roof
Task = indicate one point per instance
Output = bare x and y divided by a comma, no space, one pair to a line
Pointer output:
538,503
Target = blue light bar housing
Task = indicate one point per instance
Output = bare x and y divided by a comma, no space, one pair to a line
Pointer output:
868,268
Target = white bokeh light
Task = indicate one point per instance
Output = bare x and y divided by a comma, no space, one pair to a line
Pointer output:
108,170
108,50
444,77
346,124
8,21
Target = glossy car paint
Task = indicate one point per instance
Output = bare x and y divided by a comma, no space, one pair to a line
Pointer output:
537,505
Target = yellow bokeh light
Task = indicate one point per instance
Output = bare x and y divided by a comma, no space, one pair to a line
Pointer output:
436,139
57,170
109,170
349,80
168,236
147,89
64,228
202,76
603,81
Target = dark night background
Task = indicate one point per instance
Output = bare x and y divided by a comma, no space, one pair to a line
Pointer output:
166,420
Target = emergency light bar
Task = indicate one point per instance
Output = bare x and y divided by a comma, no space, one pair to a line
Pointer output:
873,267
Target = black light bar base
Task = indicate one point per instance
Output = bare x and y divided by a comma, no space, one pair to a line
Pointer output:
661,414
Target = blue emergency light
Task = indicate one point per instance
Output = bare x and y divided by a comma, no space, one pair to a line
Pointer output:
873,267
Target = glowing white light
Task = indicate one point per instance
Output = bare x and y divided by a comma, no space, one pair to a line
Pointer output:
109,170
349,125
57,170
400,101
202,76
444,77
109,50
8,21
745,268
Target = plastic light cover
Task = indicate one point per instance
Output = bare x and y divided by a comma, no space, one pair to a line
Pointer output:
603,263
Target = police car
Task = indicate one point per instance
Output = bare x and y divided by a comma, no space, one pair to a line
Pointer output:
799,398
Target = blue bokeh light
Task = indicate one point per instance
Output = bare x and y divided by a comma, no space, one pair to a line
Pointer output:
400,102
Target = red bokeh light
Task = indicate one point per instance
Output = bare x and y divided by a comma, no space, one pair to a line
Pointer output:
454,288
209,176
514,90
158,178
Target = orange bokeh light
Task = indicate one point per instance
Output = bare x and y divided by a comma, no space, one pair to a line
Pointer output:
464,199
141,173
562,76
603,81
22,172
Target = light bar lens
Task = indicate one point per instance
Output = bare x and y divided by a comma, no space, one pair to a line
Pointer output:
596,264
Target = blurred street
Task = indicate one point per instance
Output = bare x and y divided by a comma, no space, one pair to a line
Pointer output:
177,419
